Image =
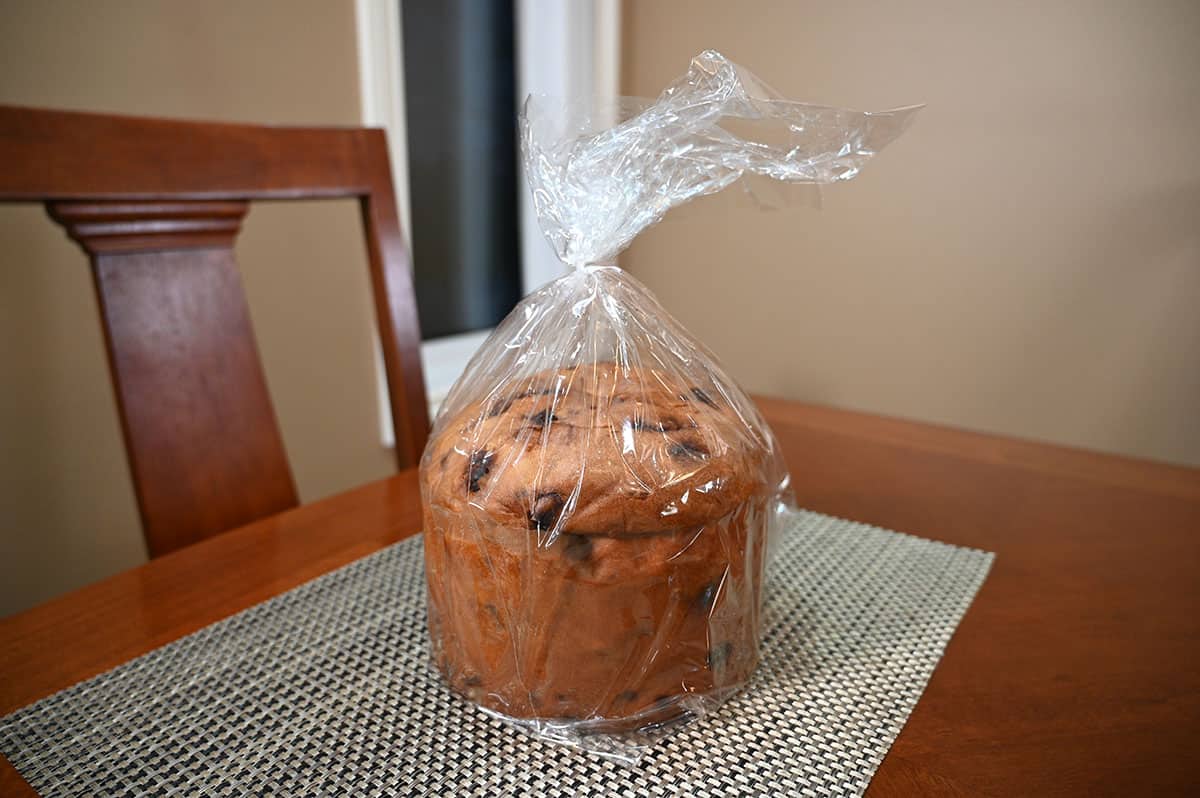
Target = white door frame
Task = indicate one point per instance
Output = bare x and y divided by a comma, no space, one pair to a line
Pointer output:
564,49
567,50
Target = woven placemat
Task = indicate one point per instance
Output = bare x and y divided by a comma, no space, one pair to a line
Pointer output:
326,691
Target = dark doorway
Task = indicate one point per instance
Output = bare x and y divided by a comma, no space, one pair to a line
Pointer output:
460,86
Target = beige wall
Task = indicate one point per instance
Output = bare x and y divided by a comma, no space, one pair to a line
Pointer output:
67,514
1025,260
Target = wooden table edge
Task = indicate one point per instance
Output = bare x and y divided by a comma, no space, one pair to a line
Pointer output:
985,447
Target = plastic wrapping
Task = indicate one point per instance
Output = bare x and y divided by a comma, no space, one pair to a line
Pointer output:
598,494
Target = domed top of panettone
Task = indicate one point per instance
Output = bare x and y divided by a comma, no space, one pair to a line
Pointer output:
597,449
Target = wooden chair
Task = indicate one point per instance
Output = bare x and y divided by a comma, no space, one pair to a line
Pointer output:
157,205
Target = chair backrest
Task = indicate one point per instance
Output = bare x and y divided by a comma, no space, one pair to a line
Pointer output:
157,205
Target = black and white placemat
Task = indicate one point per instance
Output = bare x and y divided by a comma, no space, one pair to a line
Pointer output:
326,691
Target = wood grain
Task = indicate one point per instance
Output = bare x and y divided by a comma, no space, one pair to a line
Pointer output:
157,205
200,432
74,155
1073,674
109,227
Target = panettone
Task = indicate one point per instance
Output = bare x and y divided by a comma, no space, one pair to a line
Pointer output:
594,541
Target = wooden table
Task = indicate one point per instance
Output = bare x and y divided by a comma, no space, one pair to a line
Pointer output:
1075,672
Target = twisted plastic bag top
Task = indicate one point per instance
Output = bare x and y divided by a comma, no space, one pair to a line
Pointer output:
594,191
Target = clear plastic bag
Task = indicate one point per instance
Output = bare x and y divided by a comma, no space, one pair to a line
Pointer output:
599,495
